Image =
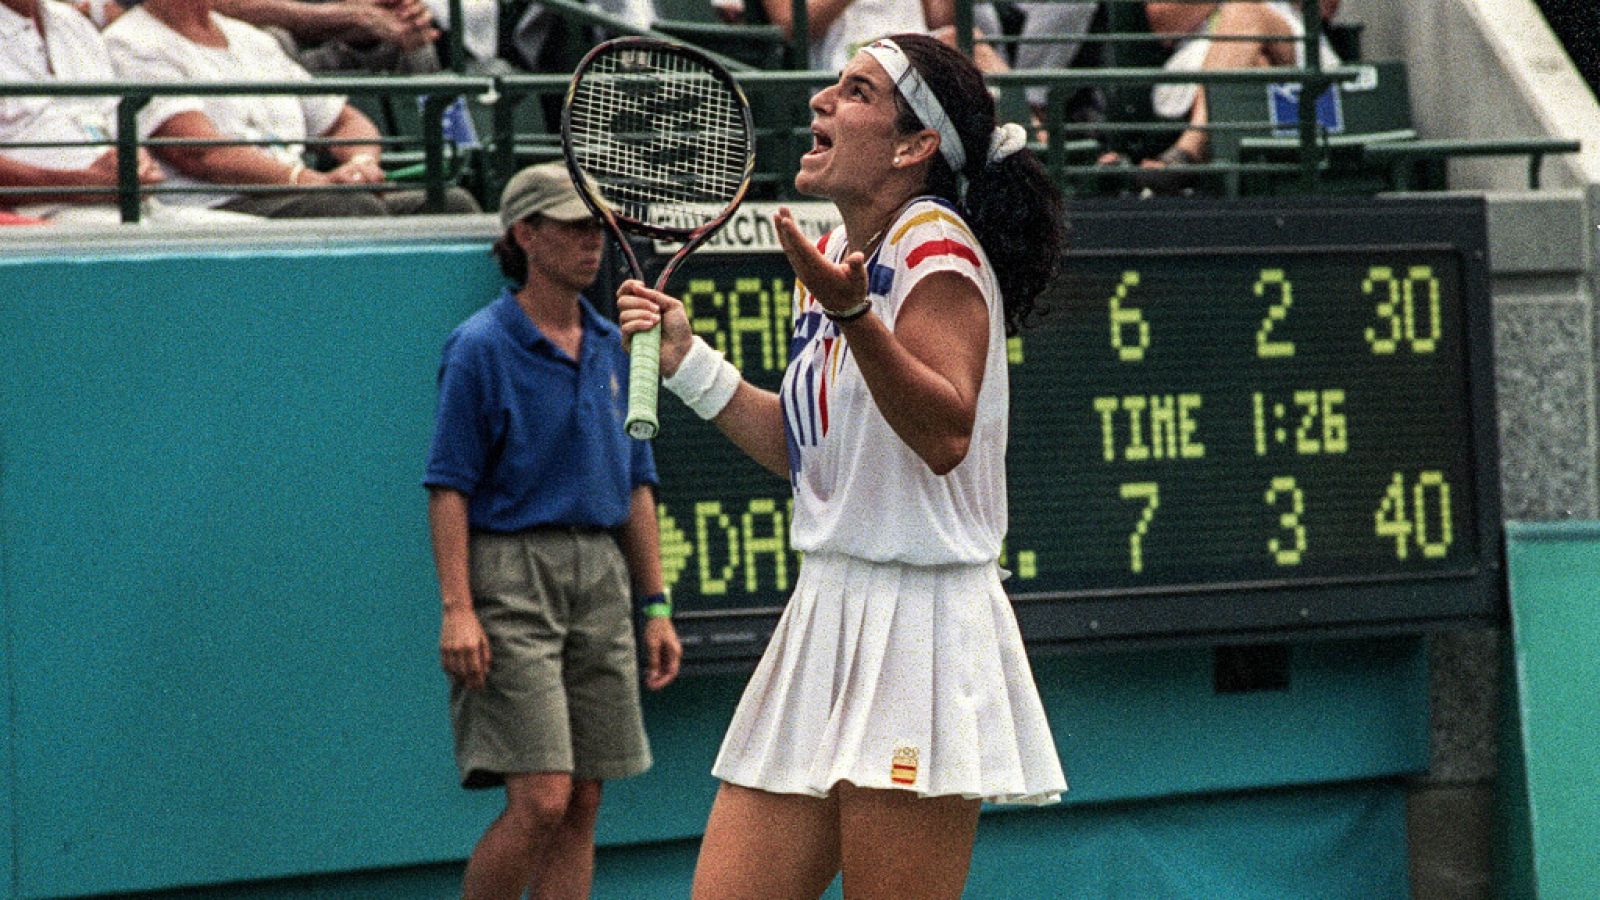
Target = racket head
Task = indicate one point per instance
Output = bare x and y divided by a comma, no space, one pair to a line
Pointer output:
658,138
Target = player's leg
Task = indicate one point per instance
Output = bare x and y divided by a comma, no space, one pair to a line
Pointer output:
512,850
566,870
897,846
764,846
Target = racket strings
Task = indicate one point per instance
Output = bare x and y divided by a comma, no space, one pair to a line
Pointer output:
659,137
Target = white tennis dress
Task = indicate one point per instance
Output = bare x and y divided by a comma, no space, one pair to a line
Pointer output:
897,662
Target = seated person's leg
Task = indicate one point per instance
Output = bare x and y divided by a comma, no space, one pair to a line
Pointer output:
308,205
1194,144
408,203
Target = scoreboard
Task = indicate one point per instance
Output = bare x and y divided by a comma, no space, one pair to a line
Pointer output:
1232,420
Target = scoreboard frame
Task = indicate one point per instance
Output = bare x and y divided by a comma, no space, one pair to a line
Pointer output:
1223,611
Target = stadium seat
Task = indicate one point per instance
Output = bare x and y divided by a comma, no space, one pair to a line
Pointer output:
1366,135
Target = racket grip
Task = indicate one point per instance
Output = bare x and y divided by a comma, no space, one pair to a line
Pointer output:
644,383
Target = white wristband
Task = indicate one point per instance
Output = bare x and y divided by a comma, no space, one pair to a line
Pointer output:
705,381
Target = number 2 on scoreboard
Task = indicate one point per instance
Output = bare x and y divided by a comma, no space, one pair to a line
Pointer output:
1150,493
1274,281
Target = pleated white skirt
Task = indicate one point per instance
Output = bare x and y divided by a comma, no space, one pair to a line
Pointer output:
895,677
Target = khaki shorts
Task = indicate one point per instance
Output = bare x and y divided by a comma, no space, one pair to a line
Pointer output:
563,686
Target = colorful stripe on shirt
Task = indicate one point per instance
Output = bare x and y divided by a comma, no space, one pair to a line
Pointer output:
940,246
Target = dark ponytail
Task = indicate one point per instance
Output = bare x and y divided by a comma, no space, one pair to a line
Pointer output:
1012,206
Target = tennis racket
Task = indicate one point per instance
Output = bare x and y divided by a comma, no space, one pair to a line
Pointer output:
660,143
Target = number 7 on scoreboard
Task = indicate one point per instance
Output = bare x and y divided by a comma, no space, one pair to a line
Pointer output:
1150,493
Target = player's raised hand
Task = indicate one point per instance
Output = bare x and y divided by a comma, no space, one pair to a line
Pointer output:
640,308
836,286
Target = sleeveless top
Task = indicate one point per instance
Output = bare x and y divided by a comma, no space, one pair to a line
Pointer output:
858,488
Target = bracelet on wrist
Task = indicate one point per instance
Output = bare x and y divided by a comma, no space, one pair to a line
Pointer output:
295,171
849,314
656,606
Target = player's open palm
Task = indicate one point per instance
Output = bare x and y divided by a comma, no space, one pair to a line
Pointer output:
839,285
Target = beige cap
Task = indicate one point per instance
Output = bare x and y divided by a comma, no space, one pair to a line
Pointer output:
545,189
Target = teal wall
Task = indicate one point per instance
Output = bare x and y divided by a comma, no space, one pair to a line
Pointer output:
1328,842
218,581
221,620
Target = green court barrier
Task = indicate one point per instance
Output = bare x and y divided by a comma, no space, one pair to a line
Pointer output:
1550,758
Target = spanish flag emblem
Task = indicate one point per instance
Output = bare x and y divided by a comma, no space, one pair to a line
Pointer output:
903,767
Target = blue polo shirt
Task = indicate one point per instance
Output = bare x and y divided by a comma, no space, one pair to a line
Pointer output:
531,436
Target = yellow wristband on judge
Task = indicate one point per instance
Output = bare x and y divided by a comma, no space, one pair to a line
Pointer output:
656,606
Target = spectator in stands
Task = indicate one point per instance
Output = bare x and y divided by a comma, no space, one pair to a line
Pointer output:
183,40
43,41
393,37
480,34
1278,23
1040,20
539,44
837,28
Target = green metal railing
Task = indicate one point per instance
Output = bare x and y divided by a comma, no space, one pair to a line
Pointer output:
518,108
438,93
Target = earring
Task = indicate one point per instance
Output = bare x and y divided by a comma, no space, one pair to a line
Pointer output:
896,162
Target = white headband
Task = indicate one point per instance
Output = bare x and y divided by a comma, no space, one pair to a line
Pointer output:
920,98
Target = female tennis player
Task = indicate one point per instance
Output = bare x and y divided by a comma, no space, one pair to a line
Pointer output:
895,695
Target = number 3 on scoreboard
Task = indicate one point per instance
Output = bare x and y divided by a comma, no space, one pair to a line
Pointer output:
1150,493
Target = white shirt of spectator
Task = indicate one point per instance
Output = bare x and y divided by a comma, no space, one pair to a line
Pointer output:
144,49
533,29
480,33
70,50
863,22
1041,19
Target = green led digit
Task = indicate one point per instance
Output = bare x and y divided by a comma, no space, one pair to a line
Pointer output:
1381,279
1150,493
1422,277
1125,316
1391,521
741,323
1288,553
1259,407
701,296
773,542
1335,428
704,513
1432,549
675,547
1274,280
1309,401
782,291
